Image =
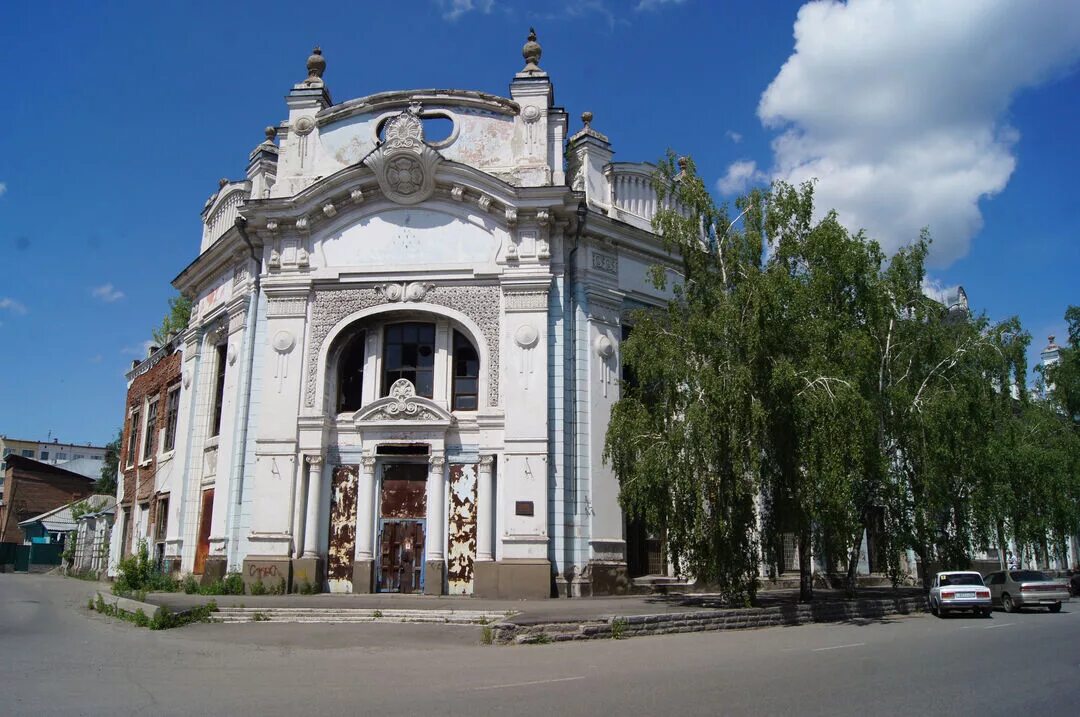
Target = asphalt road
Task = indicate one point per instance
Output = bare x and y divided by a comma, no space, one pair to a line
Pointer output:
58,658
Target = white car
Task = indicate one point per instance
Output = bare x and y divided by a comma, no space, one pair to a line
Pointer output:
957,590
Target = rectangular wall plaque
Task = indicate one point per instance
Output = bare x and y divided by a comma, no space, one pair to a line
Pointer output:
523,507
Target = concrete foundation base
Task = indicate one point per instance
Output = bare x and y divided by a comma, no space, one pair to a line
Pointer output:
214,570
273,572
609,578
363,576
512,579
434,577
306,571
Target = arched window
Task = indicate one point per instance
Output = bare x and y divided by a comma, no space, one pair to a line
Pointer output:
409,352
351,376
466,374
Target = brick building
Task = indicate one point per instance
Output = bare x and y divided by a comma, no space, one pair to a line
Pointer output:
146,455
32,488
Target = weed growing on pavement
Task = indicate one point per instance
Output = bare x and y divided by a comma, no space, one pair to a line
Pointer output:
162,619
260,617
377,614
487,636
618,627
542,638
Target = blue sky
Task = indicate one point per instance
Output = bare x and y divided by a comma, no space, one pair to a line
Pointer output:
121,117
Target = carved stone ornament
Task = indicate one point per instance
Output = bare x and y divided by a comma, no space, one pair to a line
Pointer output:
479,303
304,125
232,354
329,209
406,291
526,336
403,164
530,113
604,347
357,195
401,405
284,341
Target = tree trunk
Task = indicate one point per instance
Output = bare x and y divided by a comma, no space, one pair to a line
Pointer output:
806,568
853,562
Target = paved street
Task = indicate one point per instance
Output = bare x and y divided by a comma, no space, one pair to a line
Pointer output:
60,659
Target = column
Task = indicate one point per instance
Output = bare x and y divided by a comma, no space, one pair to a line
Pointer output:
314,500
485,510
435,561
365,510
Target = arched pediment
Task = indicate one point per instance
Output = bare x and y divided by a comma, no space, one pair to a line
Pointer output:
402,407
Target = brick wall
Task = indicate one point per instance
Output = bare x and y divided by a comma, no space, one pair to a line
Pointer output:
29,492
138,479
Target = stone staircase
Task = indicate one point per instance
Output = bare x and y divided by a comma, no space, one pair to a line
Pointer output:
356,615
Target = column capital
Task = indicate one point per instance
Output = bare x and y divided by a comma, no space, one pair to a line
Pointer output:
436,461
368,463
486,462
314,460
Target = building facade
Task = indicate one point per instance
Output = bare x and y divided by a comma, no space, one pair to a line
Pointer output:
404,349
32,488
147,463
51,452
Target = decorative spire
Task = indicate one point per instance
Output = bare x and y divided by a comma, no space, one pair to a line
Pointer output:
316,66
586,119
222,182
531,52
271,133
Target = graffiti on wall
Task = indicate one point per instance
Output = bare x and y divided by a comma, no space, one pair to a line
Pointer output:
462,552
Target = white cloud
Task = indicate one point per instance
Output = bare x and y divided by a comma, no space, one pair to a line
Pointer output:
734,136
740,175
896,106
3,188
941,293
12,305
453,9
656,4
107,293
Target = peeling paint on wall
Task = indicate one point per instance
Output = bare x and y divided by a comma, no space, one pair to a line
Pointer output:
339,566
462,553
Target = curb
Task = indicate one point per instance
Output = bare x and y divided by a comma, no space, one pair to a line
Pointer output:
617,627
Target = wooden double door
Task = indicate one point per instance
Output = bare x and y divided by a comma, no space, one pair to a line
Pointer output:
402,527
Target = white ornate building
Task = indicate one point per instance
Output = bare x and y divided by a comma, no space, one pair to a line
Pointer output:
404,349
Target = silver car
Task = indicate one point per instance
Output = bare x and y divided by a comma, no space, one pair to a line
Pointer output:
954,590
1015,589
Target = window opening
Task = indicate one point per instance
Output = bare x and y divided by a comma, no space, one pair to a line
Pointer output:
133,437
151,429
219,391
409,352
172,410
466,374
351,376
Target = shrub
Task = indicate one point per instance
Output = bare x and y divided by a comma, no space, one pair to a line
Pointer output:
257,588
233,584
487,635
136,574
191,585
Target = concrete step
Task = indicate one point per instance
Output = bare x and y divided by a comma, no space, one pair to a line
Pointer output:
351,615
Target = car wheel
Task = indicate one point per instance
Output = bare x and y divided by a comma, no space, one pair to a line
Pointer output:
1056,607
1007,603
986,612
933,608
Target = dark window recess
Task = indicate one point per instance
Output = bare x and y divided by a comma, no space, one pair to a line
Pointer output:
162,518
523,507
466,374
172,410
219,391
409,352
351,375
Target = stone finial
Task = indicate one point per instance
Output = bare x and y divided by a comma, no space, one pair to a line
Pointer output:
271,133
586,118
531,52
316,66
683,162
222,182
1051,337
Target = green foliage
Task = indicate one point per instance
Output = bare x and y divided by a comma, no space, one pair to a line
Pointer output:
377,614
175,320
487,636
618,628
260,617
307,588
258,588
106,484
800,383
137,574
